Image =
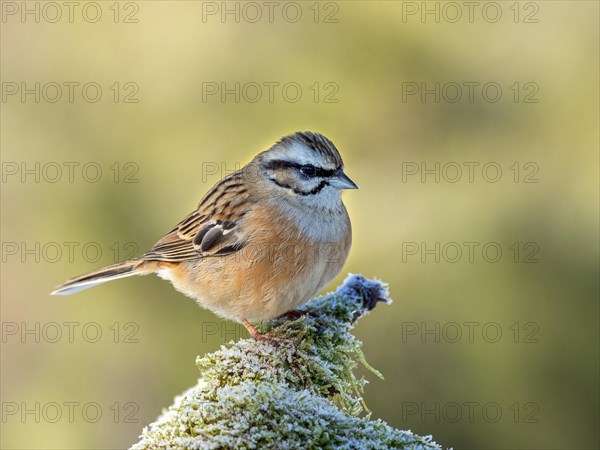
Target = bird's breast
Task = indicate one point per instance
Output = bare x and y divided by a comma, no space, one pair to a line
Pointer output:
282,264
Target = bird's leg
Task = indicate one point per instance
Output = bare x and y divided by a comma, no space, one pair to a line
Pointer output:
263,336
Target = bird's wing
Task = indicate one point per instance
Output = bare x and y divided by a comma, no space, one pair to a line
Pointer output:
214,229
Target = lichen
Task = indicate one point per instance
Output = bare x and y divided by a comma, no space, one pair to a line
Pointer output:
262,394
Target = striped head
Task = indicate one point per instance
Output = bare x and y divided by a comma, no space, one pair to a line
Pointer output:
306,167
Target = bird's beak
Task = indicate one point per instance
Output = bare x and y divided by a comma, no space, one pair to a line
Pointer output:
342,181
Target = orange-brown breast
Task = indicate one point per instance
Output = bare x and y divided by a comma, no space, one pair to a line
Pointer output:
276,271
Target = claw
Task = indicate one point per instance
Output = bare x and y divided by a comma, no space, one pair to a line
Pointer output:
264,336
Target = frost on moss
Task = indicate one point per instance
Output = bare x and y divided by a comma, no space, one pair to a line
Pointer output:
256,394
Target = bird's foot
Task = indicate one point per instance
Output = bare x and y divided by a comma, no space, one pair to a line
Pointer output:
257,335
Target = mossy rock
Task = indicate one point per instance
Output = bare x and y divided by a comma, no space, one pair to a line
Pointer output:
263,394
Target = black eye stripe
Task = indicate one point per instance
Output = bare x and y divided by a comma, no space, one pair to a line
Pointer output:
305,169
313,191
313,171
308,171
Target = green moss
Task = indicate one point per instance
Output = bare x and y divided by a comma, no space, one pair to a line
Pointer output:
256,394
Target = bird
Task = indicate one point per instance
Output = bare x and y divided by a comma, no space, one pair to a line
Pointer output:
261,243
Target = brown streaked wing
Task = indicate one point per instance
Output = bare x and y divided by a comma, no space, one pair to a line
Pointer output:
214,229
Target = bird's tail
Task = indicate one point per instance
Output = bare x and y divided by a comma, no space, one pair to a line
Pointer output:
108,273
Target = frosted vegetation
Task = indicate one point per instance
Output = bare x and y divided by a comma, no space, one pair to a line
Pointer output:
256,394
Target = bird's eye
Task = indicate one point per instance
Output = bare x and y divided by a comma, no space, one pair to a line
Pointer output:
308,171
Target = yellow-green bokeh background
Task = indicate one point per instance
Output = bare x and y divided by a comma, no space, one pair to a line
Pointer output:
369,53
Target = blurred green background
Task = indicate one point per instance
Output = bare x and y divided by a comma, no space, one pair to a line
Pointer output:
540,374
